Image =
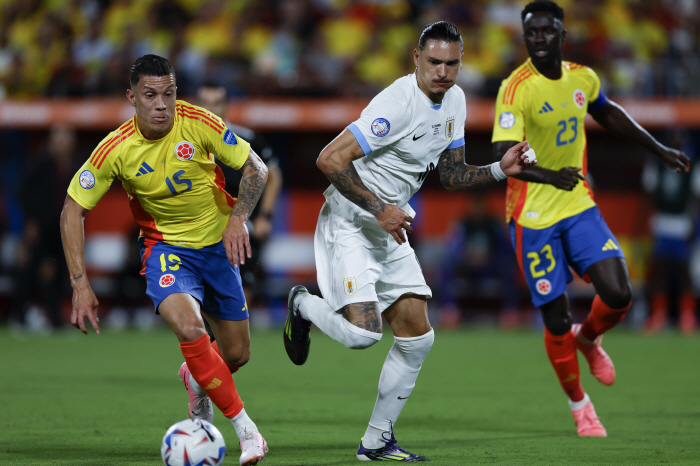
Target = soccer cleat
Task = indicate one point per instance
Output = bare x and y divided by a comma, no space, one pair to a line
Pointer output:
587,422
199,406
600,363
253,449
296,330
389,452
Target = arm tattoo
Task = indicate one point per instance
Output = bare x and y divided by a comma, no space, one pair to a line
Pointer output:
456,175
363,315
252,185
350,185
77,276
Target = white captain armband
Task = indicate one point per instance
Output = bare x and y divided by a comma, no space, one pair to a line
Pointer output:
497,172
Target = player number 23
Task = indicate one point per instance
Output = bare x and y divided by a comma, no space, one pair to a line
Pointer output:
573,124
547,251
173,259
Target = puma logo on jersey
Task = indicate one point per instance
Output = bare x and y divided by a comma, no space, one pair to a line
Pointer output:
546,108
610,246
144,170
214,383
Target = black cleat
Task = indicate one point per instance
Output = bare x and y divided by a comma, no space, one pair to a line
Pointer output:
296,330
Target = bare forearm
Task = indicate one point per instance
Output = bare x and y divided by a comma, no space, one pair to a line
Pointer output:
616,120
533,174
73,238
272,190
348,182
251,186
457,175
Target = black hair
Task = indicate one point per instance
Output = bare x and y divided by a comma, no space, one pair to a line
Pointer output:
150,65
441,30
543,5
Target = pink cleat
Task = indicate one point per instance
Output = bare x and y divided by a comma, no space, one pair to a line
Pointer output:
253,449
200,405
600,363
587,422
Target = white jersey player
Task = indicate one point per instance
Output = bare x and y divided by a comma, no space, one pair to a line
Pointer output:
365,266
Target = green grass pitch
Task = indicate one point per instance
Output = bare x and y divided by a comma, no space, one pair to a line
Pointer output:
483,397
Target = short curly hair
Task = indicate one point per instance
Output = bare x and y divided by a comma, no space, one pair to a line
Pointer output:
543,5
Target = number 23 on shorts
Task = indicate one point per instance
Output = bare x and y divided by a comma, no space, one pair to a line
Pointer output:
536,260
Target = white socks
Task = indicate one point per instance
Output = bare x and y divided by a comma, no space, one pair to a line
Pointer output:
242,423
574,405
334,324
396,383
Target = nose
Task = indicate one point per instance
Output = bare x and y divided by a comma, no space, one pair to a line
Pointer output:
442,70
160,102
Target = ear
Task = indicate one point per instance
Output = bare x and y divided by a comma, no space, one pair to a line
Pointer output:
131,96
416,57
563,35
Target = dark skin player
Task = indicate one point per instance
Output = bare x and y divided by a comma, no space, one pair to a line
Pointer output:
544,36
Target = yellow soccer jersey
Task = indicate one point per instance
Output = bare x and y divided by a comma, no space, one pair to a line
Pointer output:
550,115
175,189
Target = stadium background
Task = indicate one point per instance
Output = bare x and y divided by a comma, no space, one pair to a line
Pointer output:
298,71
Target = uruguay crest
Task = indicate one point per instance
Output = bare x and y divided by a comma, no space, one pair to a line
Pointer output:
350,286
449,128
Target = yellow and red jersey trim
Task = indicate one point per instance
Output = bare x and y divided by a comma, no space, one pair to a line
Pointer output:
122,134
519,77
193,113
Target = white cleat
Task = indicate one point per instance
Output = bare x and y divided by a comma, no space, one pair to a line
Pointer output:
199,406
253,449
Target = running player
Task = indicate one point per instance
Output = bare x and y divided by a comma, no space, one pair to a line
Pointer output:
365,266
193,234
554,222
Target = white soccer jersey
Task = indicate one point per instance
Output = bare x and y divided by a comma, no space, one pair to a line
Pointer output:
402,133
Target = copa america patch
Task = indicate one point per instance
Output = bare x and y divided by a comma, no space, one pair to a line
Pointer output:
166,280
381,127
506,120
579,98
87,179
184,150
230,138
544,286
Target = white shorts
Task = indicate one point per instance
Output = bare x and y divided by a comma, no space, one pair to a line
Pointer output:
357,265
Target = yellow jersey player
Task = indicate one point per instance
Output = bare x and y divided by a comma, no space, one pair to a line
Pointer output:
554,222
193,234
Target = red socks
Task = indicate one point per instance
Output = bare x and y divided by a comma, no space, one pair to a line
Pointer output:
212,374
561,350
601,318
232,367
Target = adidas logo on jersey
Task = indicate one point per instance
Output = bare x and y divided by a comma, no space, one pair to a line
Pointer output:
144,170
610,246
546,108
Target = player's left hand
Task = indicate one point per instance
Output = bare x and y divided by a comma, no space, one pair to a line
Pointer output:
675,159
515,161
236,240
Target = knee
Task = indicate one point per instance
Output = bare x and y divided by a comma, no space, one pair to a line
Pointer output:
557,323
190,331
617,297
238,355
359,338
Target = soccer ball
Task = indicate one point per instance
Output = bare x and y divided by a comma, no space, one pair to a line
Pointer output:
193,442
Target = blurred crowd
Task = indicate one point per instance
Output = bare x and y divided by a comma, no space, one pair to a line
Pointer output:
329,47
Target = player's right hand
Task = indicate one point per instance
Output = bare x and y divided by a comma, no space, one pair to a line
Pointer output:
84,305
566,178
394,220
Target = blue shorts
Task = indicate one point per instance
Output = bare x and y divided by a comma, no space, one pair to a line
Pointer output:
671,248
204,273
545,255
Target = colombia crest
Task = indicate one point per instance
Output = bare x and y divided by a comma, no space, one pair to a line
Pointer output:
184,150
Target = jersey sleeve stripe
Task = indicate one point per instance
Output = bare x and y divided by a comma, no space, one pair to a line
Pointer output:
102,147
456,143
361,140
204,118
515,87
532,68
197,111
511,83
115,144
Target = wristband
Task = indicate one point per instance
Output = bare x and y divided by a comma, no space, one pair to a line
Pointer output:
497,172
